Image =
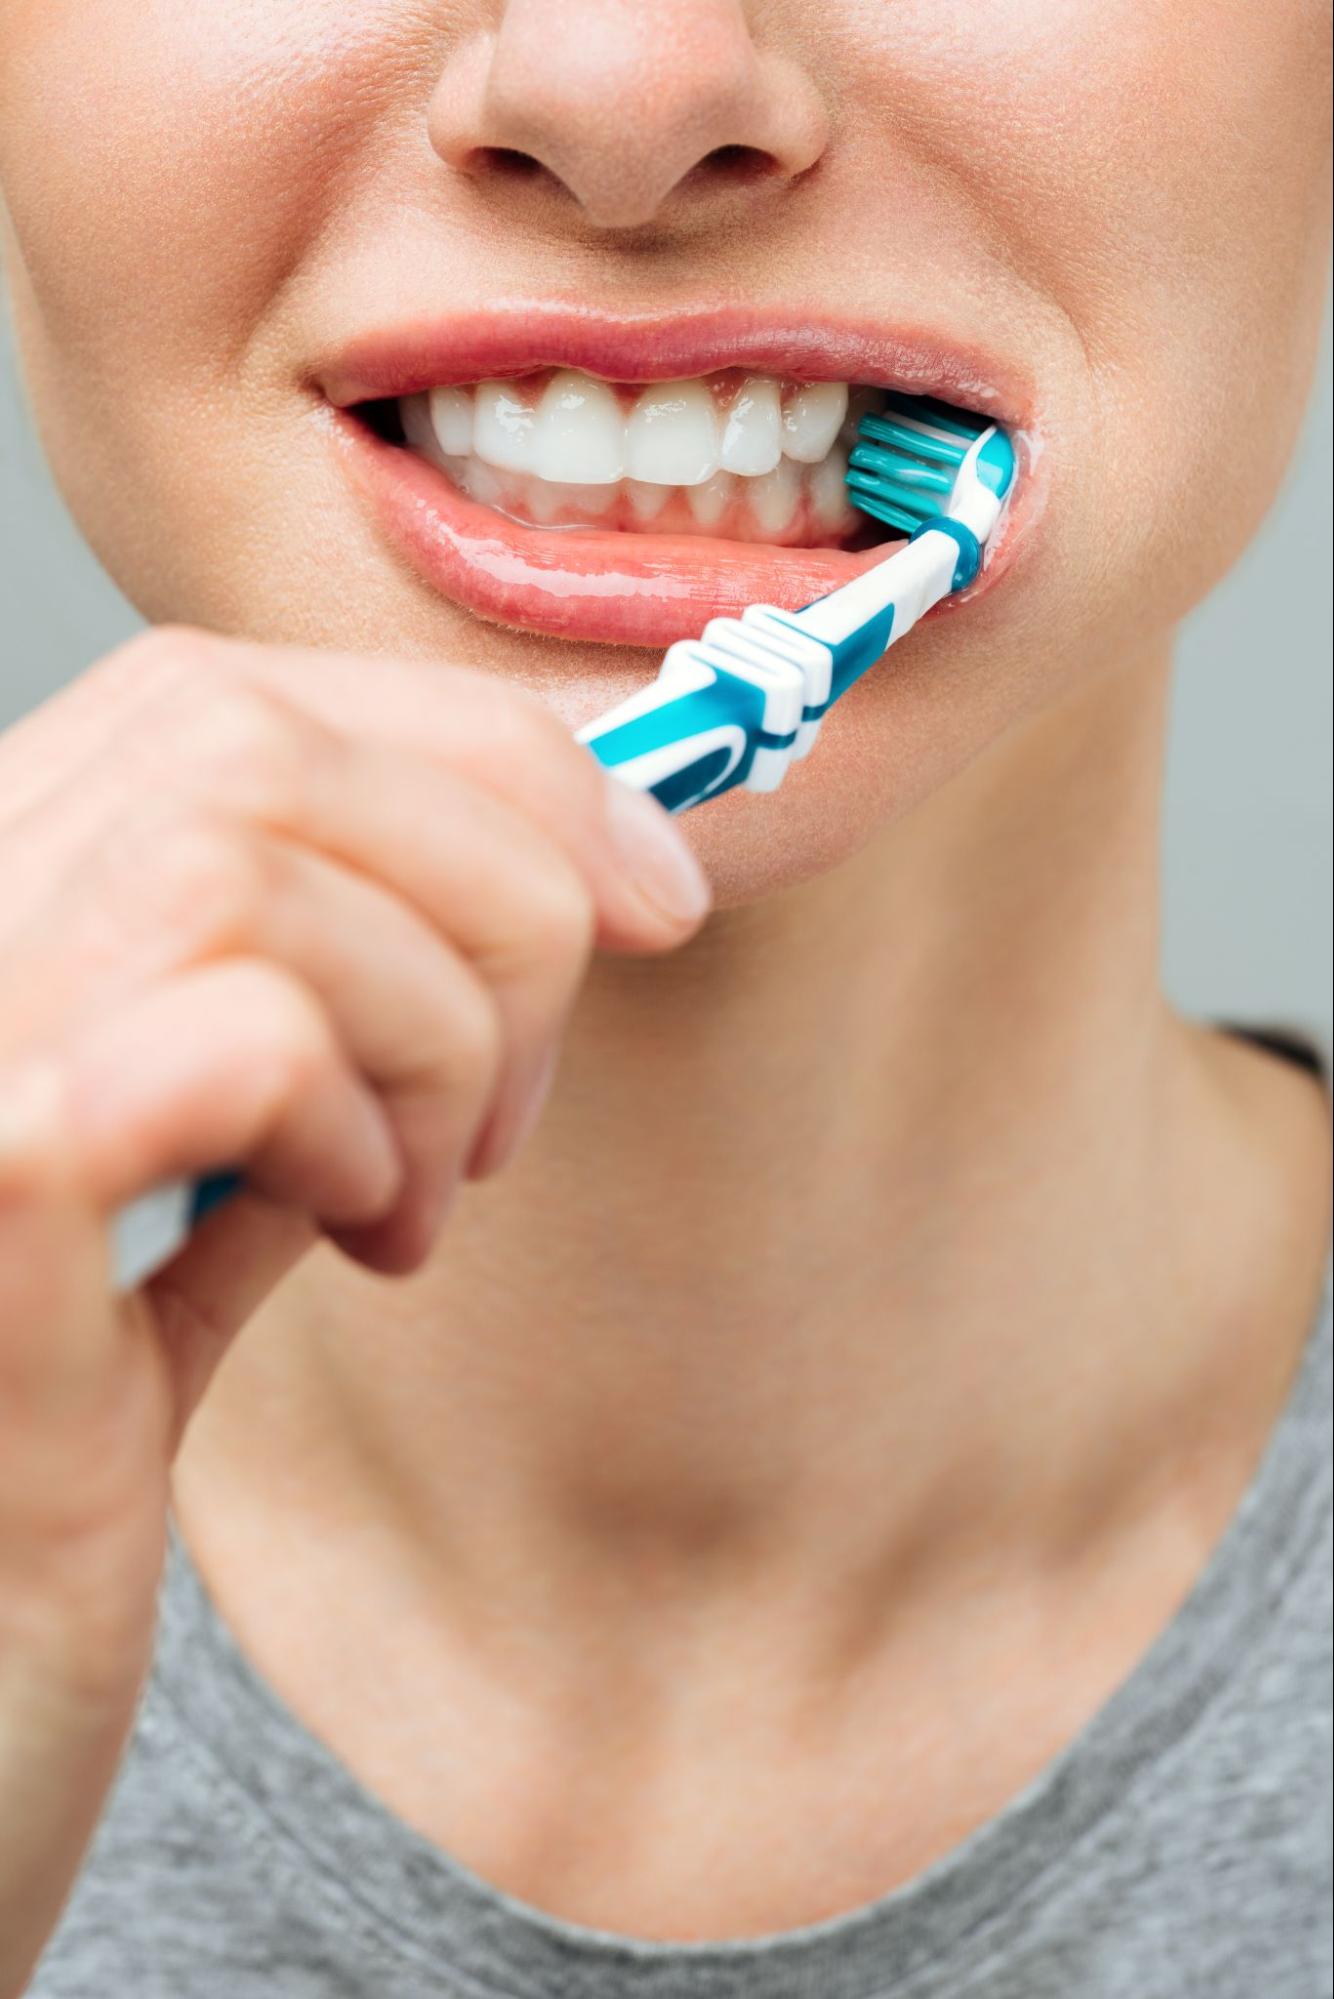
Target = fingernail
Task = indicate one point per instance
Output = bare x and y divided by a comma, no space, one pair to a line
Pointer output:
655,854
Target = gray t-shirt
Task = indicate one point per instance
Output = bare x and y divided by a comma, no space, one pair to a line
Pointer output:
1180,1846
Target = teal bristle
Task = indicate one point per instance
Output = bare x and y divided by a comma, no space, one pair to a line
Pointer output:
904,474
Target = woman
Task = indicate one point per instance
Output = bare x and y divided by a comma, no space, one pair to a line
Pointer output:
826,1496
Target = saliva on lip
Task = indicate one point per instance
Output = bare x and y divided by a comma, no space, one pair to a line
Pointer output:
736,455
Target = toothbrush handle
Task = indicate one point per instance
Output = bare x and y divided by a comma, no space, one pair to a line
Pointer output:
717,714
150,1231
680,738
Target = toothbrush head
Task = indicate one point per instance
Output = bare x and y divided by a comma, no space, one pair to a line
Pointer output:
919,459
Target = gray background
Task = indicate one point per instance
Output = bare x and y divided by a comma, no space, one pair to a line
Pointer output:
1247,839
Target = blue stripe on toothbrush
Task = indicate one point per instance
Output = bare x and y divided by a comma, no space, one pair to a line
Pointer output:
211,1192
863,647
692,784
851,656
675,721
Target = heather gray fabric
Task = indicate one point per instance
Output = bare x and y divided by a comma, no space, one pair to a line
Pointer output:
1180,1846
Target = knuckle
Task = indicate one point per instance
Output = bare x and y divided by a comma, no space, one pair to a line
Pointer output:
165,658
249,752
555,771
214,729
179,872
535,734
298,1045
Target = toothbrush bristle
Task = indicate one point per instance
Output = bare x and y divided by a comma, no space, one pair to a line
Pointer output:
903,466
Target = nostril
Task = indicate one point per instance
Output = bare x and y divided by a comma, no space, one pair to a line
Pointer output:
616,197
506,162
733,166
739,160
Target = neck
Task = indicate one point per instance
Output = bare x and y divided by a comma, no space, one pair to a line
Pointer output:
845,1228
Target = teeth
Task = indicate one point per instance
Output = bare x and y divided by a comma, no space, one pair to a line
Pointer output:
672,436
579,435
502,428
480,483
731,453
415,412
812,418
541,499
859,402
647,501
774,497
709,502
829,495
753,434
578,499
451,414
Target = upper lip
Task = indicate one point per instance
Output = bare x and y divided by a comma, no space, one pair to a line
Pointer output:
423,351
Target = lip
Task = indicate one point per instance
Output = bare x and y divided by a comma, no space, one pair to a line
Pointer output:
627,589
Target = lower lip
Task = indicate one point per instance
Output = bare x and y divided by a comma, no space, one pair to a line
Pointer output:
624,589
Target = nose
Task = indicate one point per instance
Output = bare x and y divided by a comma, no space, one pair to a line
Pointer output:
633,110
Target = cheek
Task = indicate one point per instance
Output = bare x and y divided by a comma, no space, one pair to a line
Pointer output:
1157,175
166,166
166,171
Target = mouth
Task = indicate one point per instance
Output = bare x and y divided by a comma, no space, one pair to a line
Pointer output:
627,481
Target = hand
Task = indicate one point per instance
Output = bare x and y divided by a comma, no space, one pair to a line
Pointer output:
319,917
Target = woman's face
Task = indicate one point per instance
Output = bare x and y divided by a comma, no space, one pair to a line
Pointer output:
1102,219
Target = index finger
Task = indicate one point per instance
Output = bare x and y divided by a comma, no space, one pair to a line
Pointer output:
504,739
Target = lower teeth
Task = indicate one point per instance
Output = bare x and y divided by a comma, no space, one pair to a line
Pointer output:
790,510
793,506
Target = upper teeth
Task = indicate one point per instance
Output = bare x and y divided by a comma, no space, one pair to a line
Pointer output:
578,423
811,419
673,433
752,439
572,429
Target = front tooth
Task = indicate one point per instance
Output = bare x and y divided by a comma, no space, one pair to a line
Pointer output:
829,494
451,413
502,428
647,501
753,433
709,502
672,436
774,497
812,419
580,433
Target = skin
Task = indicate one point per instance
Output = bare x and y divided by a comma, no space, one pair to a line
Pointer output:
854,1370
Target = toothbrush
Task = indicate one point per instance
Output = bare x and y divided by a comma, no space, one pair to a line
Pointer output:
745,700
